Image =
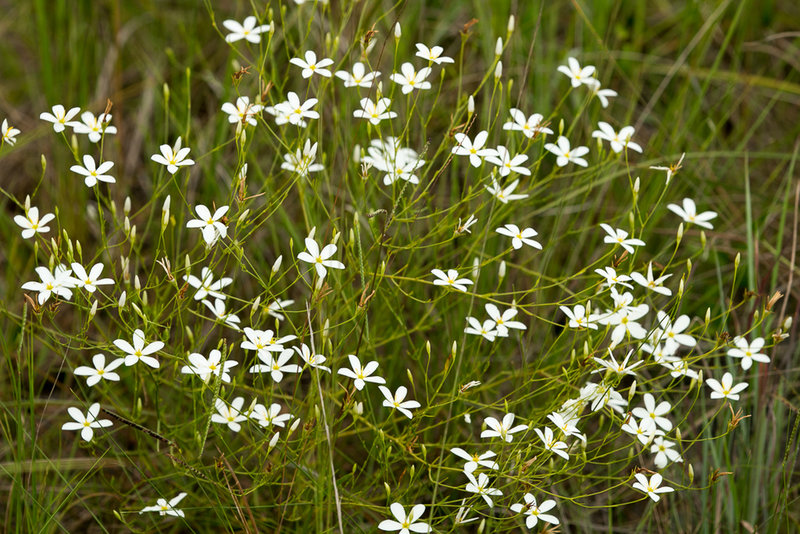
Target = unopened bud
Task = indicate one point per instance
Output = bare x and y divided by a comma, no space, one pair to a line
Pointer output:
358,408
498,47
273,441
631,391
737,260
708,316
680,234
93,311
277,264
691,474
27,203
397,30
510,25
476,268
122,298
501,271
470,105
498,70
126,206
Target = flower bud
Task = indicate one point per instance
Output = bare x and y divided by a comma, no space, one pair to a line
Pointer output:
708,316
121,301
510,25
680,234
498,70
126,206
277,264
498,48
737,260
273,441
397,30
27,204
93,311
501,271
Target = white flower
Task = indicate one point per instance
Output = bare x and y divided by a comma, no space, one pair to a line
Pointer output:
218,309
94,127
276,306
505,194
60,117
206,285
89,281
620,237
360,374
242,112
211,225
264,341
229,415
618,368
410,79
276,366
31,224
503,320
504,429
654,412
99,371
481,487
725,389
269,416
507,163
619,140
359,78
601,94
534,512
395,401
551,443
58,283
689,213
578,75
655,284
450,279
565,154
374,112
612,278
578,318
302,161
644,430
433,54
748,352
92,172
8,133
320,258
86,423
138,351
205,368
405,523
476,460
529,126
310,65
173,157
313,360
247,30
474,149
166,508
476,328
672,169
651,487
664,452
295,111
520,237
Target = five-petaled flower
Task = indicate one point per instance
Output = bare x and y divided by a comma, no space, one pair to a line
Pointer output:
94,173
229,415
310,65
688,212
617,236
450,279
99,370
405,523
212,226
173,156
320,259
748,352
651,487
433,54
578,75
409,79
205,368
725,389
139,351
60,117
248,30
164,507
32,224
86,423
566,154
504,429
396,400
535,512
361,374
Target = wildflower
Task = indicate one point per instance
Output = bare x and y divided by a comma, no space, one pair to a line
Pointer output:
310,65
229,415
320,259
504,195
461,514
31,224
689,213
566,154
269,416
302,161
619,140
503,321
433,54
92,172
450,279
264,341
476,328
90,281
276,366
398,162
502,430
361,375
58,282
276,306
551,443
748,352
410,79
664,452
672,169
206,285
139,351
651,487
566,426
313,360
476,460
295,111
94,127
474,149
405,523
173,157
8,133
205,368
612,278
530,126
396,400
86,423
359,78
601,94
621,369
218,309
578,75
166,508
508,164
671,332
374,112
644,430
211,226
534,512
577,317
481,487
243,112
247,30
725,389
620,237
651,283
602,395
464,228
60,117
654,412
520,237
99,370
